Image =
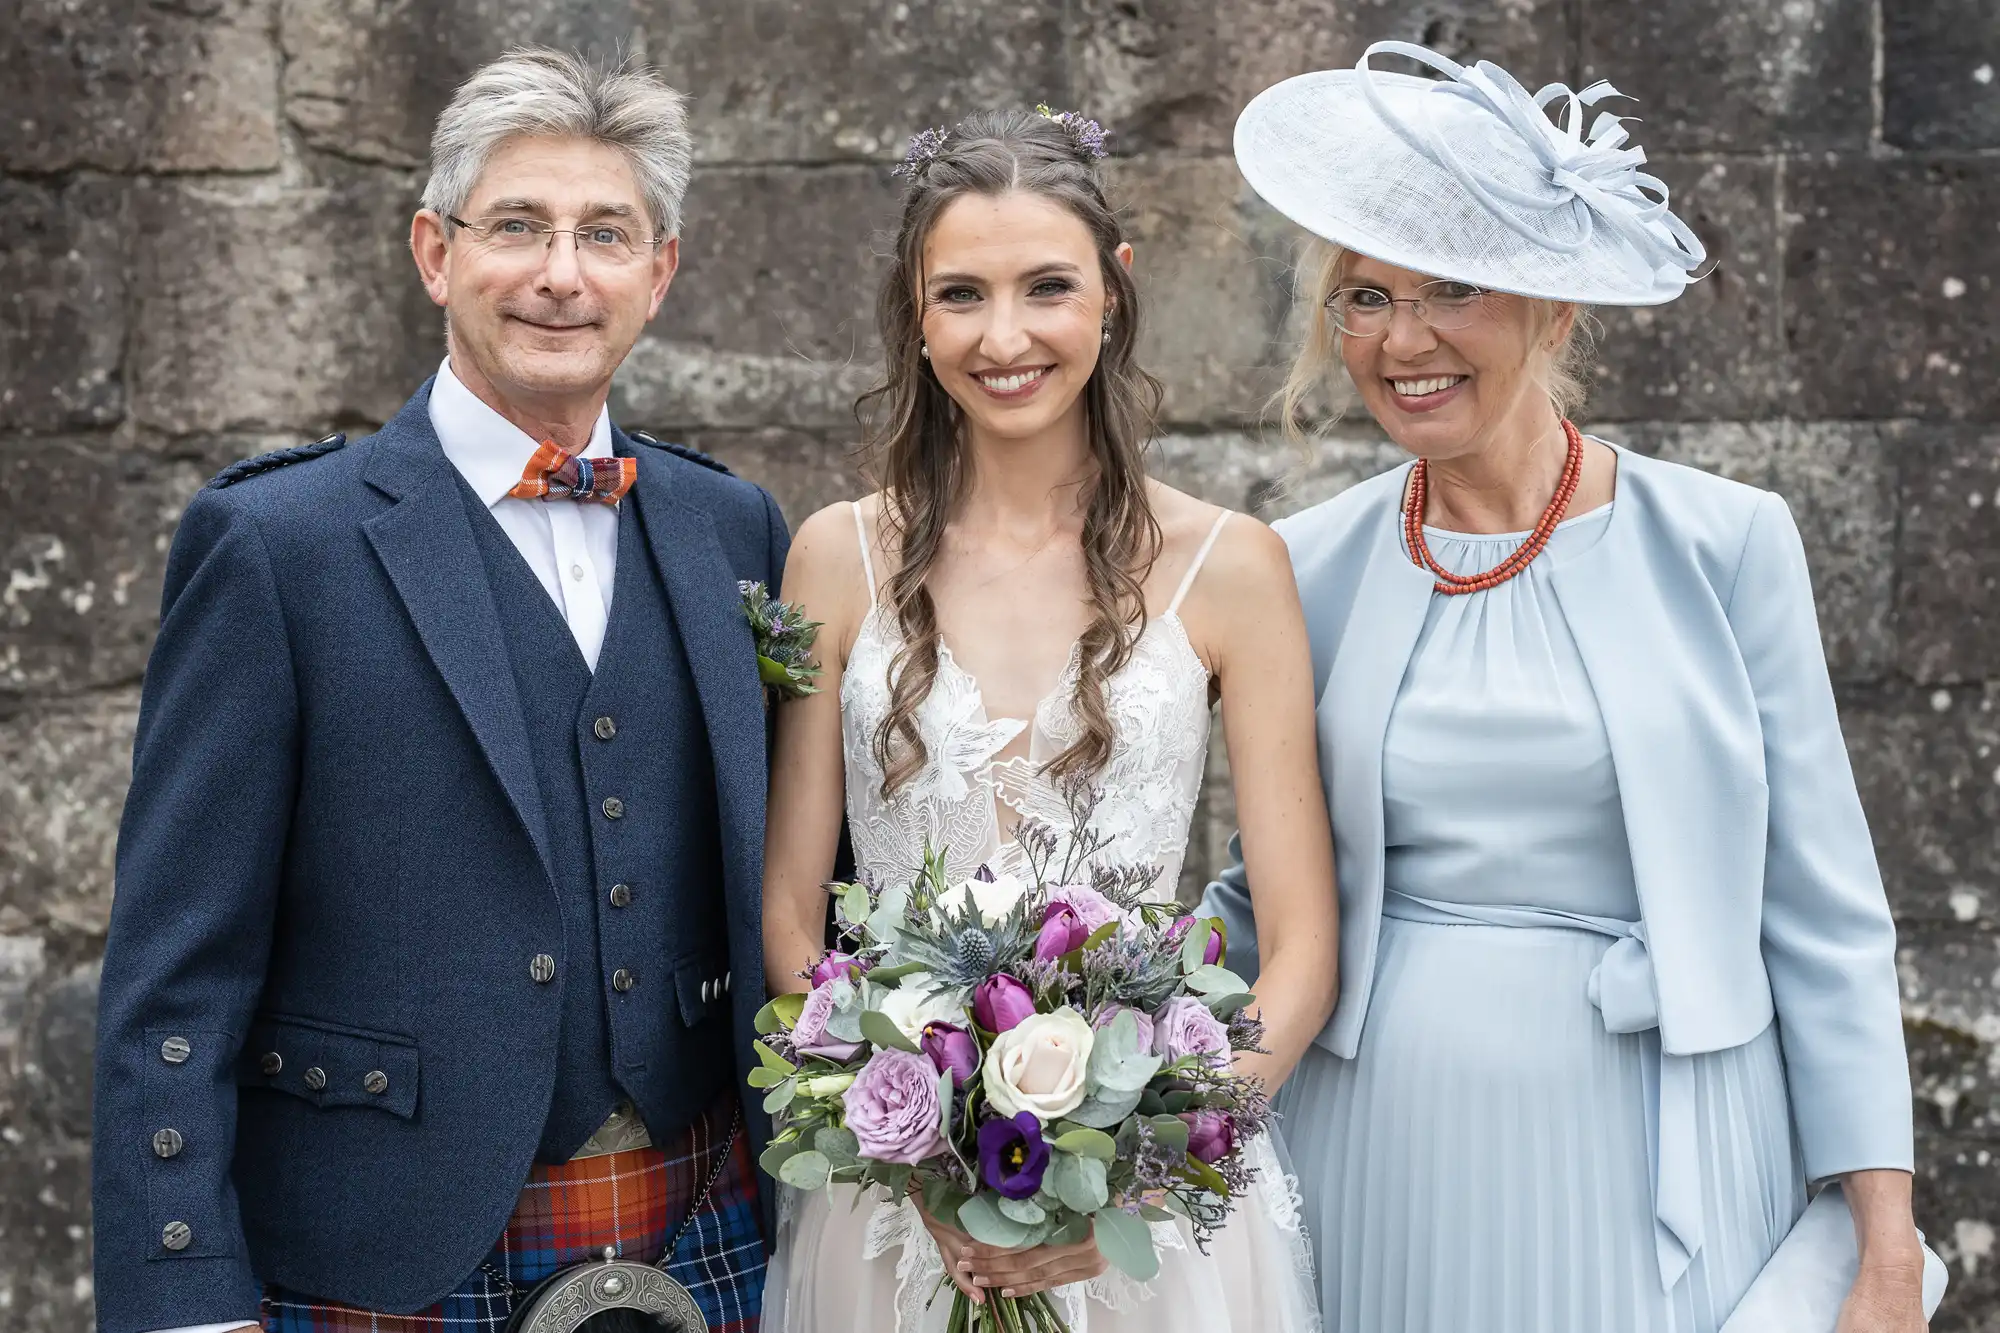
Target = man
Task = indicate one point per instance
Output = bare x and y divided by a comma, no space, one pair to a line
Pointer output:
436,942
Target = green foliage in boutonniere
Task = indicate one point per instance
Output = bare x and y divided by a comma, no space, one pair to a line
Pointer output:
784,639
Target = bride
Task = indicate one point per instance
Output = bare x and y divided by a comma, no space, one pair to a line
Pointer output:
1018,605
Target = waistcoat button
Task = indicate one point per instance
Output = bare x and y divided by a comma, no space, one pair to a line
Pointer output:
542,968
176,1235
614,808
605,728
272,1064
316,1079
621,895
167,1143
622,981
375,1082
175,1050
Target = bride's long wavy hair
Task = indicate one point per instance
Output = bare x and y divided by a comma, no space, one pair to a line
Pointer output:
913,436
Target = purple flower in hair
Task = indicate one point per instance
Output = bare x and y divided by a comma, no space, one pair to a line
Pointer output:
923,150
1086,136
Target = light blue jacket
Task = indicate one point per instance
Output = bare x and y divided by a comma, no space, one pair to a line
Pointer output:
1757,881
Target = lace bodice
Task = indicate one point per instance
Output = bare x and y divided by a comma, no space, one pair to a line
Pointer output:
1159,711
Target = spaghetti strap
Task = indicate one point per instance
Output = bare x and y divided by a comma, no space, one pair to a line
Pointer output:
868,565
1187,579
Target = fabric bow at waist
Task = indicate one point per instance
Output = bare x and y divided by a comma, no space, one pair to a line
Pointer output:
1621,986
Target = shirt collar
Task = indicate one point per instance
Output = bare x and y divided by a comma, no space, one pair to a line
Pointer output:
488,450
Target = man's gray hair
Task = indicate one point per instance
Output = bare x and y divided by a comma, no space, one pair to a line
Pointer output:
534,90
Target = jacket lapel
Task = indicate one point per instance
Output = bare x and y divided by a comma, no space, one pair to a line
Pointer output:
708,615
426,546
1376,643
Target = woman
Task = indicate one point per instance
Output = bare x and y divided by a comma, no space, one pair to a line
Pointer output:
1597,824
1019,606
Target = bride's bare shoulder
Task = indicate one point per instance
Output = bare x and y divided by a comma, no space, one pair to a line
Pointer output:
1245,556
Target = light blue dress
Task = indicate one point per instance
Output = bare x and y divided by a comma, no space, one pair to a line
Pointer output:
1486,1162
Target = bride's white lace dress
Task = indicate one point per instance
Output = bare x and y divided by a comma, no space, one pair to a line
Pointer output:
852,1260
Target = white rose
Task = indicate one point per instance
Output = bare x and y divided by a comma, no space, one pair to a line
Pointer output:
914,1003
1038,1065
994,898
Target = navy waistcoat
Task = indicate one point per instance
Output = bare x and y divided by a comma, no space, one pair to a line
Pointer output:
626,780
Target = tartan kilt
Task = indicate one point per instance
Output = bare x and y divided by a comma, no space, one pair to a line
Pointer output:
631,1201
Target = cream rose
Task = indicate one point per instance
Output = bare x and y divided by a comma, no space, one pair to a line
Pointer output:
994,898
1038,1065
914,1003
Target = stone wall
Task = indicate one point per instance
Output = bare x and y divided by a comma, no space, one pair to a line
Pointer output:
204,203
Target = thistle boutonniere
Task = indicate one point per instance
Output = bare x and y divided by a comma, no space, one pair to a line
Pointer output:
784,639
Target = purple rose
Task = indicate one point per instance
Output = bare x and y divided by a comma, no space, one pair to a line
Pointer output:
1211,949
951,1047
1092,908
837,965
1142,1020
893,1108
1211,1135
1184,1027
809,1033
1000,1003
1062,930
1012,1155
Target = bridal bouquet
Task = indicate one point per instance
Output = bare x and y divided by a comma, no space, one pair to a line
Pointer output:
1037,1062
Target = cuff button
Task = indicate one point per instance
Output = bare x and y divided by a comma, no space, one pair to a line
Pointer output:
175,1050
316,1079
375,1082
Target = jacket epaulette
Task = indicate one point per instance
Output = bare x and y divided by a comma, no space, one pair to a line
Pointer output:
250,467
681,451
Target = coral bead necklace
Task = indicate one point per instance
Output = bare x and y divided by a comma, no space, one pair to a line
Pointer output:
1453,585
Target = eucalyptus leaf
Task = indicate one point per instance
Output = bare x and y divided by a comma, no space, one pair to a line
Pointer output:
1098,936
1194,943
1150,1213
855,905
1222,1006
780,1012
1080,1182
778,1098
765,1078
1086,1142
1072,1230
774,1156
1213,980
877,1027
807,1170
944,1104
844,1022
1105,1110
1025,1211
1127,1243
889,976
891,1176
1116,1063
838,1145
770,1059
941,1200
1172,1131
980,1218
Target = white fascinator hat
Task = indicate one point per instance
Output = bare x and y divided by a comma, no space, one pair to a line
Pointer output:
1470,178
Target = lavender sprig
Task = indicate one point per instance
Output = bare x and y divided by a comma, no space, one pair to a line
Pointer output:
784,639
923,151
1086,136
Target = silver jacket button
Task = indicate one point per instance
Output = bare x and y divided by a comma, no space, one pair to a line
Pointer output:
542,968
614,808
727,978
605,728
176,1235
167,1143
175,1050
704,992
272,1064
316,1079
375,1082
622,981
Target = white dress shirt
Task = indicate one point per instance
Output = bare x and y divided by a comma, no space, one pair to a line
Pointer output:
572,546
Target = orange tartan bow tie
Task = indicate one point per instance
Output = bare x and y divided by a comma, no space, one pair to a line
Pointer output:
556,474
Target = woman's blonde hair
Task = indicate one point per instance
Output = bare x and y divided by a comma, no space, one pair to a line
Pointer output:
1314,368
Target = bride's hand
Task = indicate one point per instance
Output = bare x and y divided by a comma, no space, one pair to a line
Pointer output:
975,1268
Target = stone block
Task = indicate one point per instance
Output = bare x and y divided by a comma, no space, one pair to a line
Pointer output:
1265,474
1948,564
367,78
45,1283
1891,280
1927,762
1941,73
62,269
278,308
804,471
64,768
771,320
23,963
1717,353
1718,75
777,81
84,531
1840,480
61,1051
1174,74
136,85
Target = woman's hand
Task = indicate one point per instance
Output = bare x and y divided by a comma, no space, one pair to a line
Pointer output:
1886,1298
975,1268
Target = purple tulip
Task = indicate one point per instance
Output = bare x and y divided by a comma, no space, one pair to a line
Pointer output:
1000,1003
1062,930
1211,1135
1012,1155
809,1034
837,964
1211,949
951,1047
1141,1020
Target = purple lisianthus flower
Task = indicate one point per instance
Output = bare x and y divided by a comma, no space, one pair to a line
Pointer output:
951,1047
1211,950
809,1034
1012,1155
1000,1003
1211,1135
1062,930
893,1108
1142,1020
1092,908
837,964
1184,1026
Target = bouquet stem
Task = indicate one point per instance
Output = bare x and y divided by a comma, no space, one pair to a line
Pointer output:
1004,1314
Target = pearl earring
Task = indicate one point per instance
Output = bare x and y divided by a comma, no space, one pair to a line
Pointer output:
924,351
1107,335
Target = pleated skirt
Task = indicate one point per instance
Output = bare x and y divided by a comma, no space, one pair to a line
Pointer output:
1482,1165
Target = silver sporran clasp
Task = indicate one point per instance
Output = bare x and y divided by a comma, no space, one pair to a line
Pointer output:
609,1296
